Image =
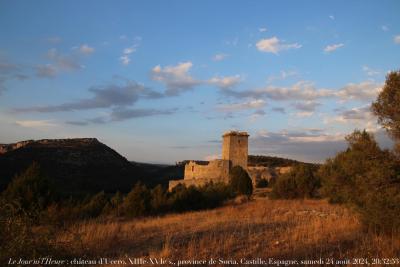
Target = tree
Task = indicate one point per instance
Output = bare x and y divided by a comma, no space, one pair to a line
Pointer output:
240,181
387,106
31,190
300,182
366,178
159,200
95,206
137,202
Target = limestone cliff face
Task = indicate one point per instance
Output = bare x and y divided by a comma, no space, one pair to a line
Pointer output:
4,148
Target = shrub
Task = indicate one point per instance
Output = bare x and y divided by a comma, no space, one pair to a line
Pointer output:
116,203
159,200
215,194
186,198
94,207
366,178
137,202
300,182
20,238
31,190
262,183
240,181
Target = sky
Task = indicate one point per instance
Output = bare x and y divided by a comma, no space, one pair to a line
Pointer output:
161,81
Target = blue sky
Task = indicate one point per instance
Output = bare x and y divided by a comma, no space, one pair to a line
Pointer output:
160,81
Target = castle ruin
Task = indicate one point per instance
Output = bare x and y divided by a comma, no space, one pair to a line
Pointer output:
235,146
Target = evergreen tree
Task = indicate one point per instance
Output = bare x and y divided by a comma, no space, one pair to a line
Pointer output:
240,181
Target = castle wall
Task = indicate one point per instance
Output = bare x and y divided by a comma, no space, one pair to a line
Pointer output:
215,169
234,153
260,172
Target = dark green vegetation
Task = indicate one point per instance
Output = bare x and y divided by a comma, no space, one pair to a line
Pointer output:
32,211
240,181
364,176
269,161
83,166
387,106
300,182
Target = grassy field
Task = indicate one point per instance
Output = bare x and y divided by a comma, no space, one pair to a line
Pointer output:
260,228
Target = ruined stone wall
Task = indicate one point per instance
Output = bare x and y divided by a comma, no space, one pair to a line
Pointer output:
235,148
260,172
215,169
283,170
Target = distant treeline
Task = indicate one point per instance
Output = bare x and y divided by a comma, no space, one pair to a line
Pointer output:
269,161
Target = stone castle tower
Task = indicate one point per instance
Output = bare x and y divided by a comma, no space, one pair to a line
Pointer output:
234,153
235,148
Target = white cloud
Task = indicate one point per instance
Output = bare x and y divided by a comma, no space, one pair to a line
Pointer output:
282,76
35,123
364,91
59,63
232,42
254,104
302,90
396,39
385,28
369,71
220,57
176,78
129,50
358,117
262,29
126,53
306,106
332,17
47,71
225,82
333,47
305,90
303,114
125,59
274,45
86,49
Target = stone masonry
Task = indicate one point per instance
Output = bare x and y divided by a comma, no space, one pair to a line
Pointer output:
234,153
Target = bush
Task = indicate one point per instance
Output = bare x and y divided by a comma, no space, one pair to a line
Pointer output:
366,178
94,207
215,194
210,195
300,182
159,200
137,202
31,191
240,181
184,199
262,183
20,238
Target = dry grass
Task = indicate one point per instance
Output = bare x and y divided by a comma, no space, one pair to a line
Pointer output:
309,229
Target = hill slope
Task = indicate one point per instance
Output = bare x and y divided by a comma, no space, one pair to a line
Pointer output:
279,229
80,165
